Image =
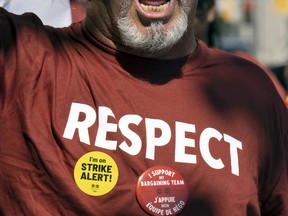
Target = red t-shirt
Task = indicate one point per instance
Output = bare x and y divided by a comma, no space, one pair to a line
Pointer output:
78,117
281,90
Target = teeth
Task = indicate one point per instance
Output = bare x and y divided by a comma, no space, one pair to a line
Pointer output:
150,8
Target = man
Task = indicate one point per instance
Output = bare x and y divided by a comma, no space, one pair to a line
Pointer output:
127,114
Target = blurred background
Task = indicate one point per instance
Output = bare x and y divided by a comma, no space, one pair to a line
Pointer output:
259,27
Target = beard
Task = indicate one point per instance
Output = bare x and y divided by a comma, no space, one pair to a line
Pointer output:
157,38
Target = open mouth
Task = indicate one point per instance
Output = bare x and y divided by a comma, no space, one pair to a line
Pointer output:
154,6
155,9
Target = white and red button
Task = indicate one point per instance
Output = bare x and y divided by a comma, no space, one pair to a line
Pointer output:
162,190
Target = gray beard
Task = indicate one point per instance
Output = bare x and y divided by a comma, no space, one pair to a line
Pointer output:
156,39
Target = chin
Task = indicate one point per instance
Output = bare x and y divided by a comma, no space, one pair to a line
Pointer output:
154,38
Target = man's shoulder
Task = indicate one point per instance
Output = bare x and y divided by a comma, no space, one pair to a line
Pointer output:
233,63
24,20
232,72
222,56
26,33
20,30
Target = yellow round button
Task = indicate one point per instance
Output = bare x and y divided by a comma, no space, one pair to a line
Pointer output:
96,173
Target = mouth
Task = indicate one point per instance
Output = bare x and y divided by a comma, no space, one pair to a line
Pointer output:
154,9
154,6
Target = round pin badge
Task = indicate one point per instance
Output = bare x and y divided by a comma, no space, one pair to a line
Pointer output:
96,173
162,190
